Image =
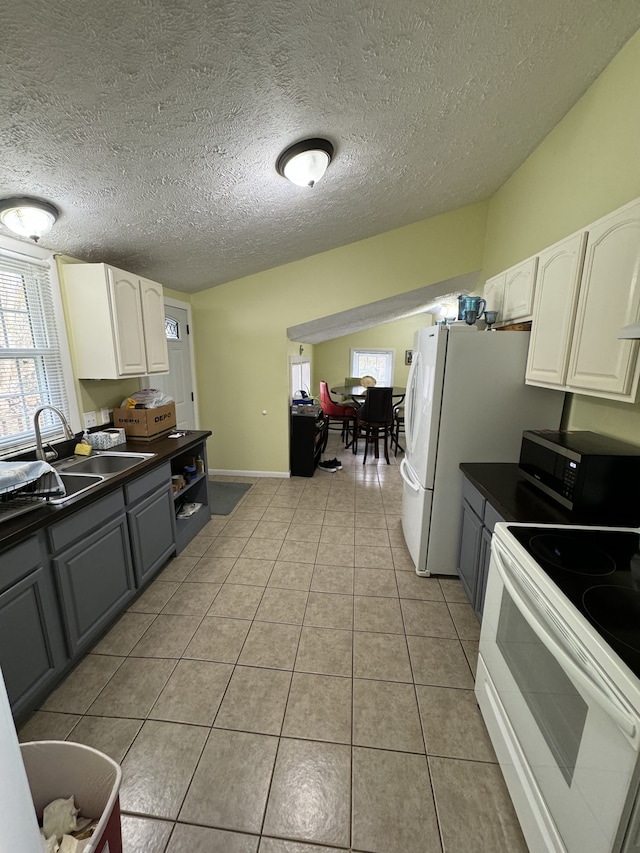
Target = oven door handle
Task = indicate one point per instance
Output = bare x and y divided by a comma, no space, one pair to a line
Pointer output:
584,674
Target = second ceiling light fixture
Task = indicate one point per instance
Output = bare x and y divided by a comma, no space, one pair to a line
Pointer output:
304,163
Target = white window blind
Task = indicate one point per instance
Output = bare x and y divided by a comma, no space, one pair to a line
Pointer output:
31,368
300,376
376,363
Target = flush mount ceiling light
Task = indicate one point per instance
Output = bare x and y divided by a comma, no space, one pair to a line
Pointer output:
27,217
305,162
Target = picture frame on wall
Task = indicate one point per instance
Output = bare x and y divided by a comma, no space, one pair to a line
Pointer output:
408,356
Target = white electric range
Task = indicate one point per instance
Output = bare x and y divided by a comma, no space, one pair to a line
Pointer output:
558,682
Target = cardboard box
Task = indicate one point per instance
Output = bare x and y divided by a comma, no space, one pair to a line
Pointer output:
61,768
146,424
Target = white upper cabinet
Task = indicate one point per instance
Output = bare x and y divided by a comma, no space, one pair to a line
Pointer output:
116,322
493,293
518,291
511,292
554,309
609,298
155,338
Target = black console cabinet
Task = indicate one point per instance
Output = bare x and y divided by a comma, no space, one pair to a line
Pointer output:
306,439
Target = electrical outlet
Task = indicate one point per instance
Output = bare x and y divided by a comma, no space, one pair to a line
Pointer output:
90,420
105,416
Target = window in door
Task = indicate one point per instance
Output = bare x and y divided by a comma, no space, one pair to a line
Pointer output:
171,328
373,362
33,372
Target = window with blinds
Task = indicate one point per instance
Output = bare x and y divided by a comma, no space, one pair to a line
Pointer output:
31,367
300,376
378,363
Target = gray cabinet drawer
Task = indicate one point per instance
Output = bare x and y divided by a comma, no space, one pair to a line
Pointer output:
473,497
148,483
17,562
491,517
83,521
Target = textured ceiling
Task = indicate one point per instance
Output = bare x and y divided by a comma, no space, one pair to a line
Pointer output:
154,126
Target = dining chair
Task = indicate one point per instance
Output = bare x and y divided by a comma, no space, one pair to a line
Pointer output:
398,426
347,399
374,419
335,412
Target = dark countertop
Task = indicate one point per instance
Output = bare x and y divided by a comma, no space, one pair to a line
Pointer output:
502,484
18,528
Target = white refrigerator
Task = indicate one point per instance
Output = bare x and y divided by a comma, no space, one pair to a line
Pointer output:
466,401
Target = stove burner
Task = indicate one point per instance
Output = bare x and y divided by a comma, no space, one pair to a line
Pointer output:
571,554
616,611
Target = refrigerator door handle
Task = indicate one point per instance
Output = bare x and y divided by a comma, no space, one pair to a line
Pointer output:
410,400
407,475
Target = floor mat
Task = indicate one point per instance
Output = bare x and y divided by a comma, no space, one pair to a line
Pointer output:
224,496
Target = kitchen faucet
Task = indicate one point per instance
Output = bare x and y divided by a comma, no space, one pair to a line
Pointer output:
51,454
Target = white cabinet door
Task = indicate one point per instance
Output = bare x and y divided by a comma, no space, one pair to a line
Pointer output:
518,291
493,294
554,308
124,291
116,322
155,339
600,364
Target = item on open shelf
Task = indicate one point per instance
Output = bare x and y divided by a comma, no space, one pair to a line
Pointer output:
188,509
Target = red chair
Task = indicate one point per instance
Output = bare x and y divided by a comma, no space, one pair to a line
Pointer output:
344,415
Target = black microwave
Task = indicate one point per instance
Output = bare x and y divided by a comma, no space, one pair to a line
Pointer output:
582,470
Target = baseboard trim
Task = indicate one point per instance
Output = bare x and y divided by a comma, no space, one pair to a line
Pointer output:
226,472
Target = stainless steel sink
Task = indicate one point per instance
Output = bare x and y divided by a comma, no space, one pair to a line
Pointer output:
80,475
108,464
74,484
104,463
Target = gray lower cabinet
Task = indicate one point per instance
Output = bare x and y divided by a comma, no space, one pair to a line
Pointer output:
61,588
93,565
478,521
152,526
32,648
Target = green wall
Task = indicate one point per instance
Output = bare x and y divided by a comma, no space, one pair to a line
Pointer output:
240,327
588,166
333,358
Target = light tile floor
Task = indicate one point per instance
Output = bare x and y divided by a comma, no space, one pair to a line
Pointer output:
290,685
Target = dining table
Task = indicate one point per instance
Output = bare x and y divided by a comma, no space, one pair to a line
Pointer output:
360,391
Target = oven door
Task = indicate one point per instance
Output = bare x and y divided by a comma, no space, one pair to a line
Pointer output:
566,739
